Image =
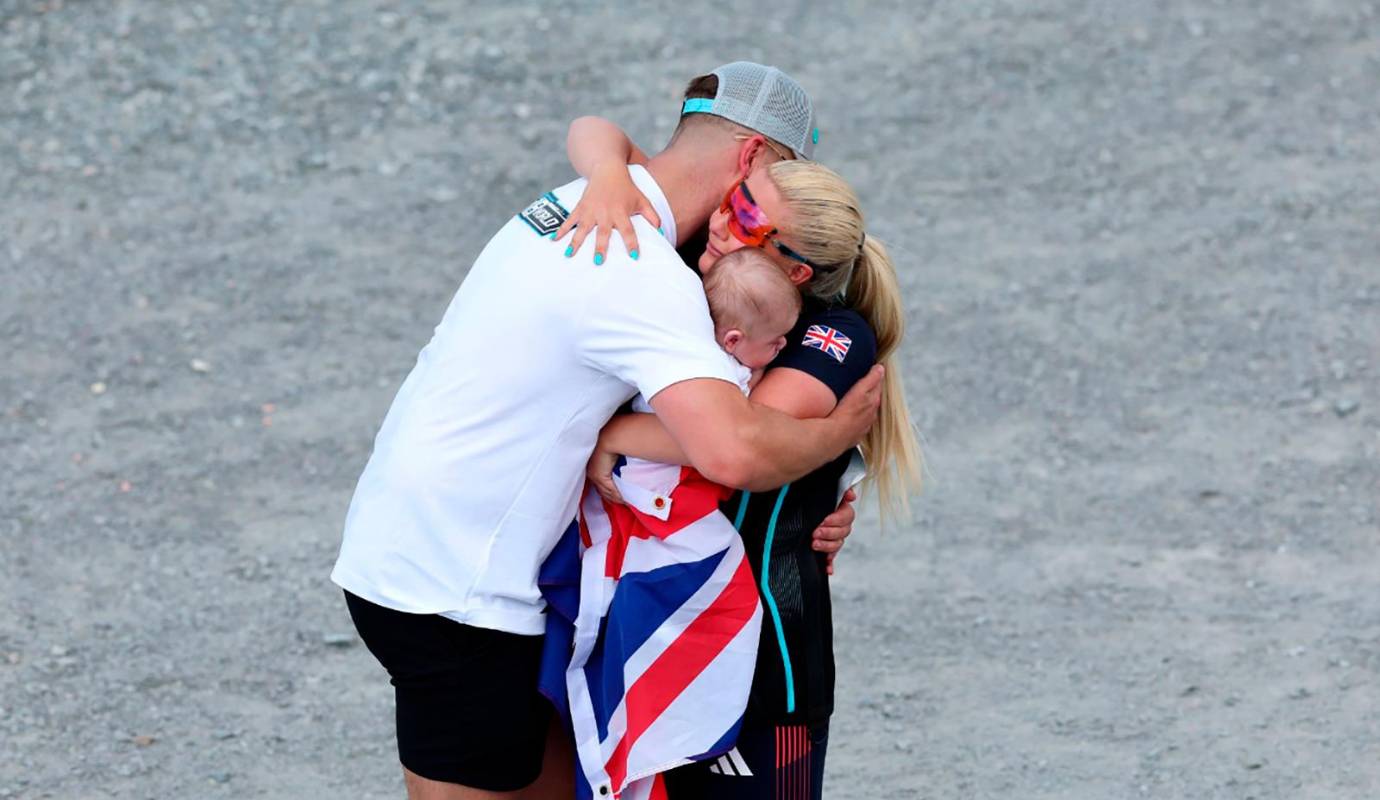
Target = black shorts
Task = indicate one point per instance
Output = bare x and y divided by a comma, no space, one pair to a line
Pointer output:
468,709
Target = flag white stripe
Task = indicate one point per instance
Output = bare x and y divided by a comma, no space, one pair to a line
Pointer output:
680,729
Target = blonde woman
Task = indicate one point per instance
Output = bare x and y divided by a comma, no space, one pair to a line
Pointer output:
808,220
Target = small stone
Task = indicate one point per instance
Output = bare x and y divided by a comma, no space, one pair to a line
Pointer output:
143,740
221,777
522,111
1346,406
313,160
338,639
443,194
224,735
1300,694
98,388
198,365
59,650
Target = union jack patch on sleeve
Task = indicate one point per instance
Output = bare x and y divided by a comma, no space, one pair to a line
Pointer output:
829,340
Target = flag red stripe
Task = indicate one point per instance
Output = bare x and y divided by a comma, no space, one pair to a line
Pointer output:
682,662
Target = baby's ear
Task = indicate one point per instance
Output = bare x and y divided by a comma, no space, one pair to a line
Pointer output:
732,339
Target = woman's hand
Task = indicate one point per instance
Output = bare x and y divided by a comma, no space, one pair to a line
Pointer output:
828,537
609,203
599,470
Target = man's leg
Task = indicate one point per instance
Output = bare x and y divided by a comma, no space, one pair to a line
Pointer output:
557,781
419,788
470,722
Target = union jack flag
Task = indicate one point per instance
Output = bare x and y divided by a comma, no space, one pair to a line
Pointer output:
652,630
829,340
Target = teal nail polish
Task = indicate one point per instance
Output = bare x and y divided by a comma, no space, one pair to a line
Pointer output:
569,251
598,259
661,231
553,237
634,255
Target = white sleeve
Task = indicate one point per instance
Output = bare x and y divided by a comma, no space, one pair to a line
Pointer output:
650,330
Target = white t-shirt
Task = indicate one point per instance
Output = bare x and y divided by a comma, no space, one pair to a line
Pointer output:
479,464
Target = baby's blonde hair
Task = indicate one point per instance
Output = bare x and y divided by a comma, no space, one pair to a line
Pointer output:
747,290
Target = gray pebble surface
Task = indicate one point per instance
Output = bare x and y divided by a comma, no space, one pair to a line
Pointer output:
1140,249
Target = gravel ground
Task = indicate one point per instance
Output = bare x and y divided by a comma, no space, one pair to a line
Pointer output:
1139,244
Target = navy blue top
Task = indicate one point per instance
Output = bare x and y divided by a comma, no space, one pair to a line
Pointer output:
794,679
831,343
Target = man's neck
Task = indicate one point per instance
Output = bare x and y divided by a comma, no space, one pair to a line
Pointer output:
692,191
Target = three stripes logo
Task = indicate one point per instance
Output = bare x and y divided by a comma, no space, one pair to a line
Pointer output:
731,763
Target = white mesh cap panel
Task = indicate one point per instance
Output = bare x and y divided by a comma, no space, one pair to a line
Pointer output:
768,101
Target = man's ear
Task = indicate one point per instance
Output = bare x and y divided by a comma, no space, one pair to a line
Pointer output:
748,154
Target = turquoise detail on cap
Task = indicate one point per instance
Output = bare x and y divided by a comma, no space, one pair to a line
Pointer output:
814,136
697,105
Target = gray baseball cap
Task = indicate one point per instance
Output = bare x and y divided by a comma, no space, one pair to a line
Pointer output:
763,99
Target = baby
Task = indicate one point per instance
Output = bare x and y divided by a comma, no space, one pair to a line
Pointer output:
753,304
666,555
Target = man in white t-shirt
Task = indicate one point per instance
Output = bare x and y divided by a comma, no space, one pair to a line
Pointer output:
479,464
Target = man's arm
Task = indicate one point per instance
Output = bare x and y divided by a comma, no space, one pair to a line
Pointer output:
735,442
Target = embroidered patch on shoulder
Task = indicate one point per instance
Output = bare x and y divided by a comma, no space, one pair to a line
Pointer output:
829,340
545,215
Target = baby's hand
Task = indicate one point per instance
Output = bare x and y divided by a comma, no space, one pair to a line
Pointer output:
609,203
599,470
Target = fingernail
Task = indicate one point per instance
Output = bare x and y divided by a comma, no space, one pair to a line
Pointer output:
569,251
598,259
553,237
661,231
633,254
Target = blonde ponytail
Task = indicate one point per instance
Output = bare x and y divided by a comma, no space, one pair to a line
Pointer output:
827,229
891,447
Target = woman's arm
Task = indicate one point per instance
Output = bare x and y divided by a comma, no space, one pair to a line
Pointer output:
593,142
600,151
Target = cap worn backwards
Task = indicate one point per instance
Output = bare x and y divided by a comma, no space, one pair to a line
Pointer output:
763,99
